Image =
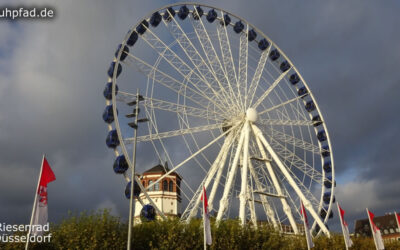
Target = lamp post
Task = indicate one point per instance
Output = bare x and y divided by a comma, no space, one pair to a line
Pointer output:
134,125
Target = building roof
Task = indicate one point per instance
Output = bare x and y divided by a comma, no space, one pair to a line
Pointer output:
157,169
385,222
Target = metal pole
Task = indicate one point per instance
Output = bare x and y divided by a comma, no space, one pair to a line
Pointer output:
204,222
130,223
34,205
341,223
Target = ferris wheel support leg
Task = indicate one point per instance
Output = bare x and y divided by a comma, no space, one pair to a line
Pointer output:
285,205
219,173
267,207
197,197
250,198
224,201
243,191
290,180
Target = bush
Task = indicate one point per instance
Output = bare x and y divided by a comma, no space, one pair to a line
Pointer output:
100,230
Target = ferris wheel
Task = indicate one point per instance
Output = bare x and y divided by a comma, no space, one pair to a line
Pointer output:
228,110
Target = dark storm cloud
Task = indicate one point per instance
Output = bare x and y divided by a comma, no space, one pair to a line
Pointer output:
53,75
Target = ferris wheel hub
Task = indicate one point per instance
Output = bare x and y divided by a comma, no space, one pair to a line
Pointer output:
251,115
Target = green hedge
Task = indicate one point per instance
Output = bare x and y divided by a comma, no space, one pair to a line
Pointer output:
100,230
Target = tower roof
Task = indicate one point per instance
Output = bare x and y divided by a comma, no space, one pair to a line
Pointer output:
157,169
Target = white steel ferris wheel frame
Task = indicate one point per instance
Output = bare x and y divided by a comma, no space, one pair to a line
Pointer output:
218,77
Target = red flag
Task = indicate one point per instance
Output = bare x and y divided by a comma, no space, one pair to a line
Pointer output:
376,233
40,216
310,243
345,228
47,174
398,219
206,219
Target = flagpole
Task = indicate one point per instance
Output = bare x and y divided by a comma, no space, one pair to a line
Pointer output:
341,223
372,229
204,223
34,205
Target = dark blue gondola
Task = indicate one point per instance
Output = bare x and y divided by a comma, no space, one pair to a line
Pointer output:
226,20
310,106
302,92
132,39
327,197
327,166
263,44
212,15
294,78
142,27
322,135
124,53
197,13
238,27
328,182
325,151
108,114
148,213
316,120
112,139
136,190
274,55
111,69
108,91
120,165
155,19
183,12
285,65
251,35
169,14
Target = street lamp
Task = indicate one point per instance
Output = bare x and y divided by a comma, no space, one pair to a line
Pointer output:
133,125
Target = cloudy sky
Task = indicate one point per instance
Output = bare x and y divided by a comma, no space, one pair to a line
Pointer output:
53,73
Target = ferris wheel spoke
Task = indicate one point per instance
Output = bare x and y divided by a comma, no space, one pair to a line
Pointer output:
286,208
281,104
257,74
243,65
191,157
291,181
181,109
194,56
285,122
227,58
270,88
196,80
192,209
173,133
288,139
296,161
168,81
212,58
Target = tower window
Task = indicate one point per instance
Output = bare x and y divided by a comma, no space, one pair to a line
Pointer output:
157,186
165,185
152,188
171,186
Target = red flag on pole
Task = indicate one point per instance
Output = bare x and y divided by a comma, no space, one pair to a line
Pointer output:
345,228
206,220
310,243
40,213
398,220
376,233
